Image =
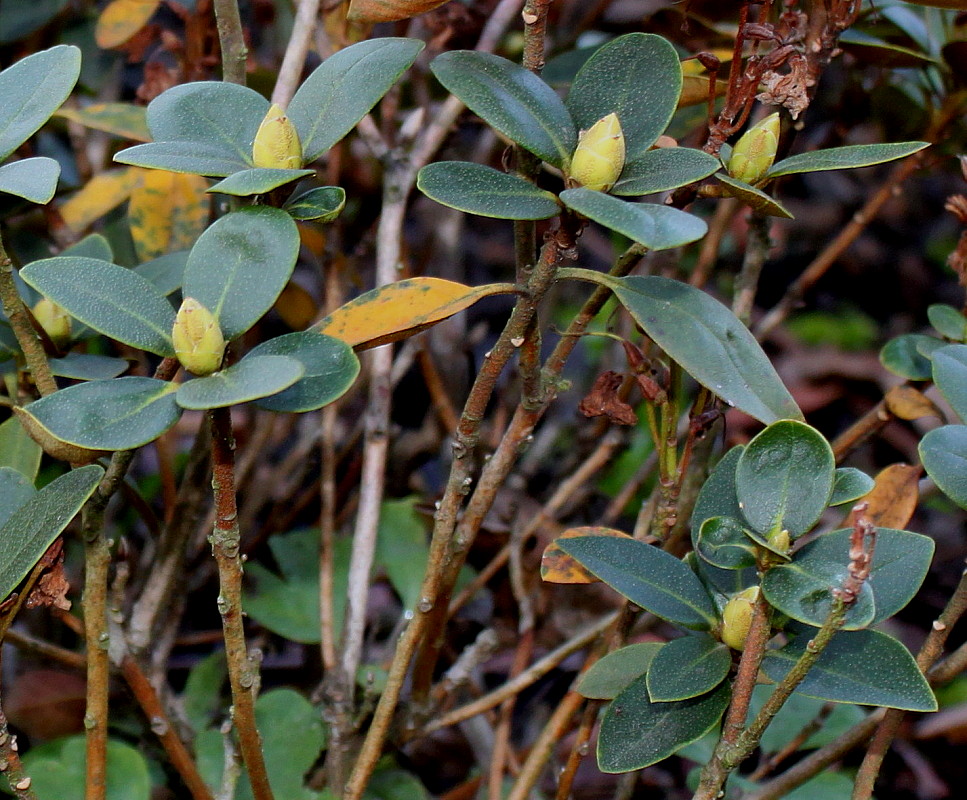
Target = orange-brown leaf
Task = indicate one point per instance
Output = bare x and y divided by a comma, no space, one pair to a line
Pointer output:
400,310
296,306
168,212
894,498
100,194
558,567
121,19
907,402
368,11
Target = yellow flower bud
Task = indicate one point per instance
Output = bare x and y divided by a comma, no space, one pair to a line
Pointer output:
780,540
199,343
600,155
54,320
277,144
737,617
754,153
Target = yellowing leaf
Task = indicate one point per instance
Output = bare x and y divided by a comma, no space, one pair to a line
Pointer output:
296,306
99,195
168,212
894,498
906,402
695,90
558,567
367,11
122,119
402,309
121,19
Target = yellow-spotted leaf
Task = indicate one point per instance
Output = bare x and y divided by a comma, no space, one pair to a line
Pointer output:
168,212
100,194
400,310
559,567
121,19
894,497
122,119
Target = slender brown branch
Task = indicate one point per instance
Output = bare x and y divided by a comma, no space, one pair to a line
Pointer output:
225,541
40,647
19,780
231,37
295,52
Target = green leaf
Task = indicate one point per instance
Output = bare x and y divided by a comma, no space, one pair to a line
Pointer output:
118,414
950,375
91,246
612,674
402,548
193,158
396,784
752,197
688,667
722,542
902,356
717,496
662,169
33,179
948,321
639,77
343,89
636,733
850,485
944,455
330,367
17,450
849,157
32,528
15,490
250,379
32,90
18,20
488,192
202,697
88,367
785,478
511,99
165,272
647,576
656,227
802,589
110,299
324,204
289,604
797,712
57,770
710,343
240,265
217,115
248,182
862,667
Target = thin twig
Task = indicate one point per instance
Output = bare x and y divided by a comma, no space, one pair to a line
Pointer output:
294,59
231,37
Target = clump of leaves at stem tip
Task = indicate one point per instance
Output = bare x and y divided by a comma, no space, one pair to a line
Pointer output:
198,340
277,144
755,151
600,155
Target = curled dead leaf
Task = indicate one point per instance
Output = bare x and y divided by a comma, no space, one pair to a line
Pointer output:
603,401
894,497
906,402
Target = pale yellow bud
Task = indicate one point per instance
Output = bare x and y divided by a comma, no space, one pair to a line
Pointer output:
600,155
277,144
780,540
754,153
199,343
54,320
737,618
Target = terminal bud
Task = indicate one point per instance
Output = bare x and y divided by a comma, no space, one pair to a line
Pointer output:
600,155
277,144
199,343
755,151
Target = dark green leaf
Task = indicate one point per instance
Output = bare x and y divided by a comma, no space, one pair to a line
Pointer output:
688,667
944,455
33,179
710,343
902,356
863,667
798,712
849,157
110,299
396,784
324,203
87,367
402,549
948,321
250,379
239,266
166,272
656,227
194,158
118,414
639,77
18,20
57,770
15,490
342,89
636,733
91,246
248,182
722,542
18,450
330,368
611,675
717,496
512,99
752,197
647,576
31,90
202,697
488,192
950,375
850,485
662,169
784,478
32,528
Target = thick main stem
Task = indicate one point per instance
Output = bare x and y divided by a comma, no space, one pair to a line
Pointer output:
231,37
